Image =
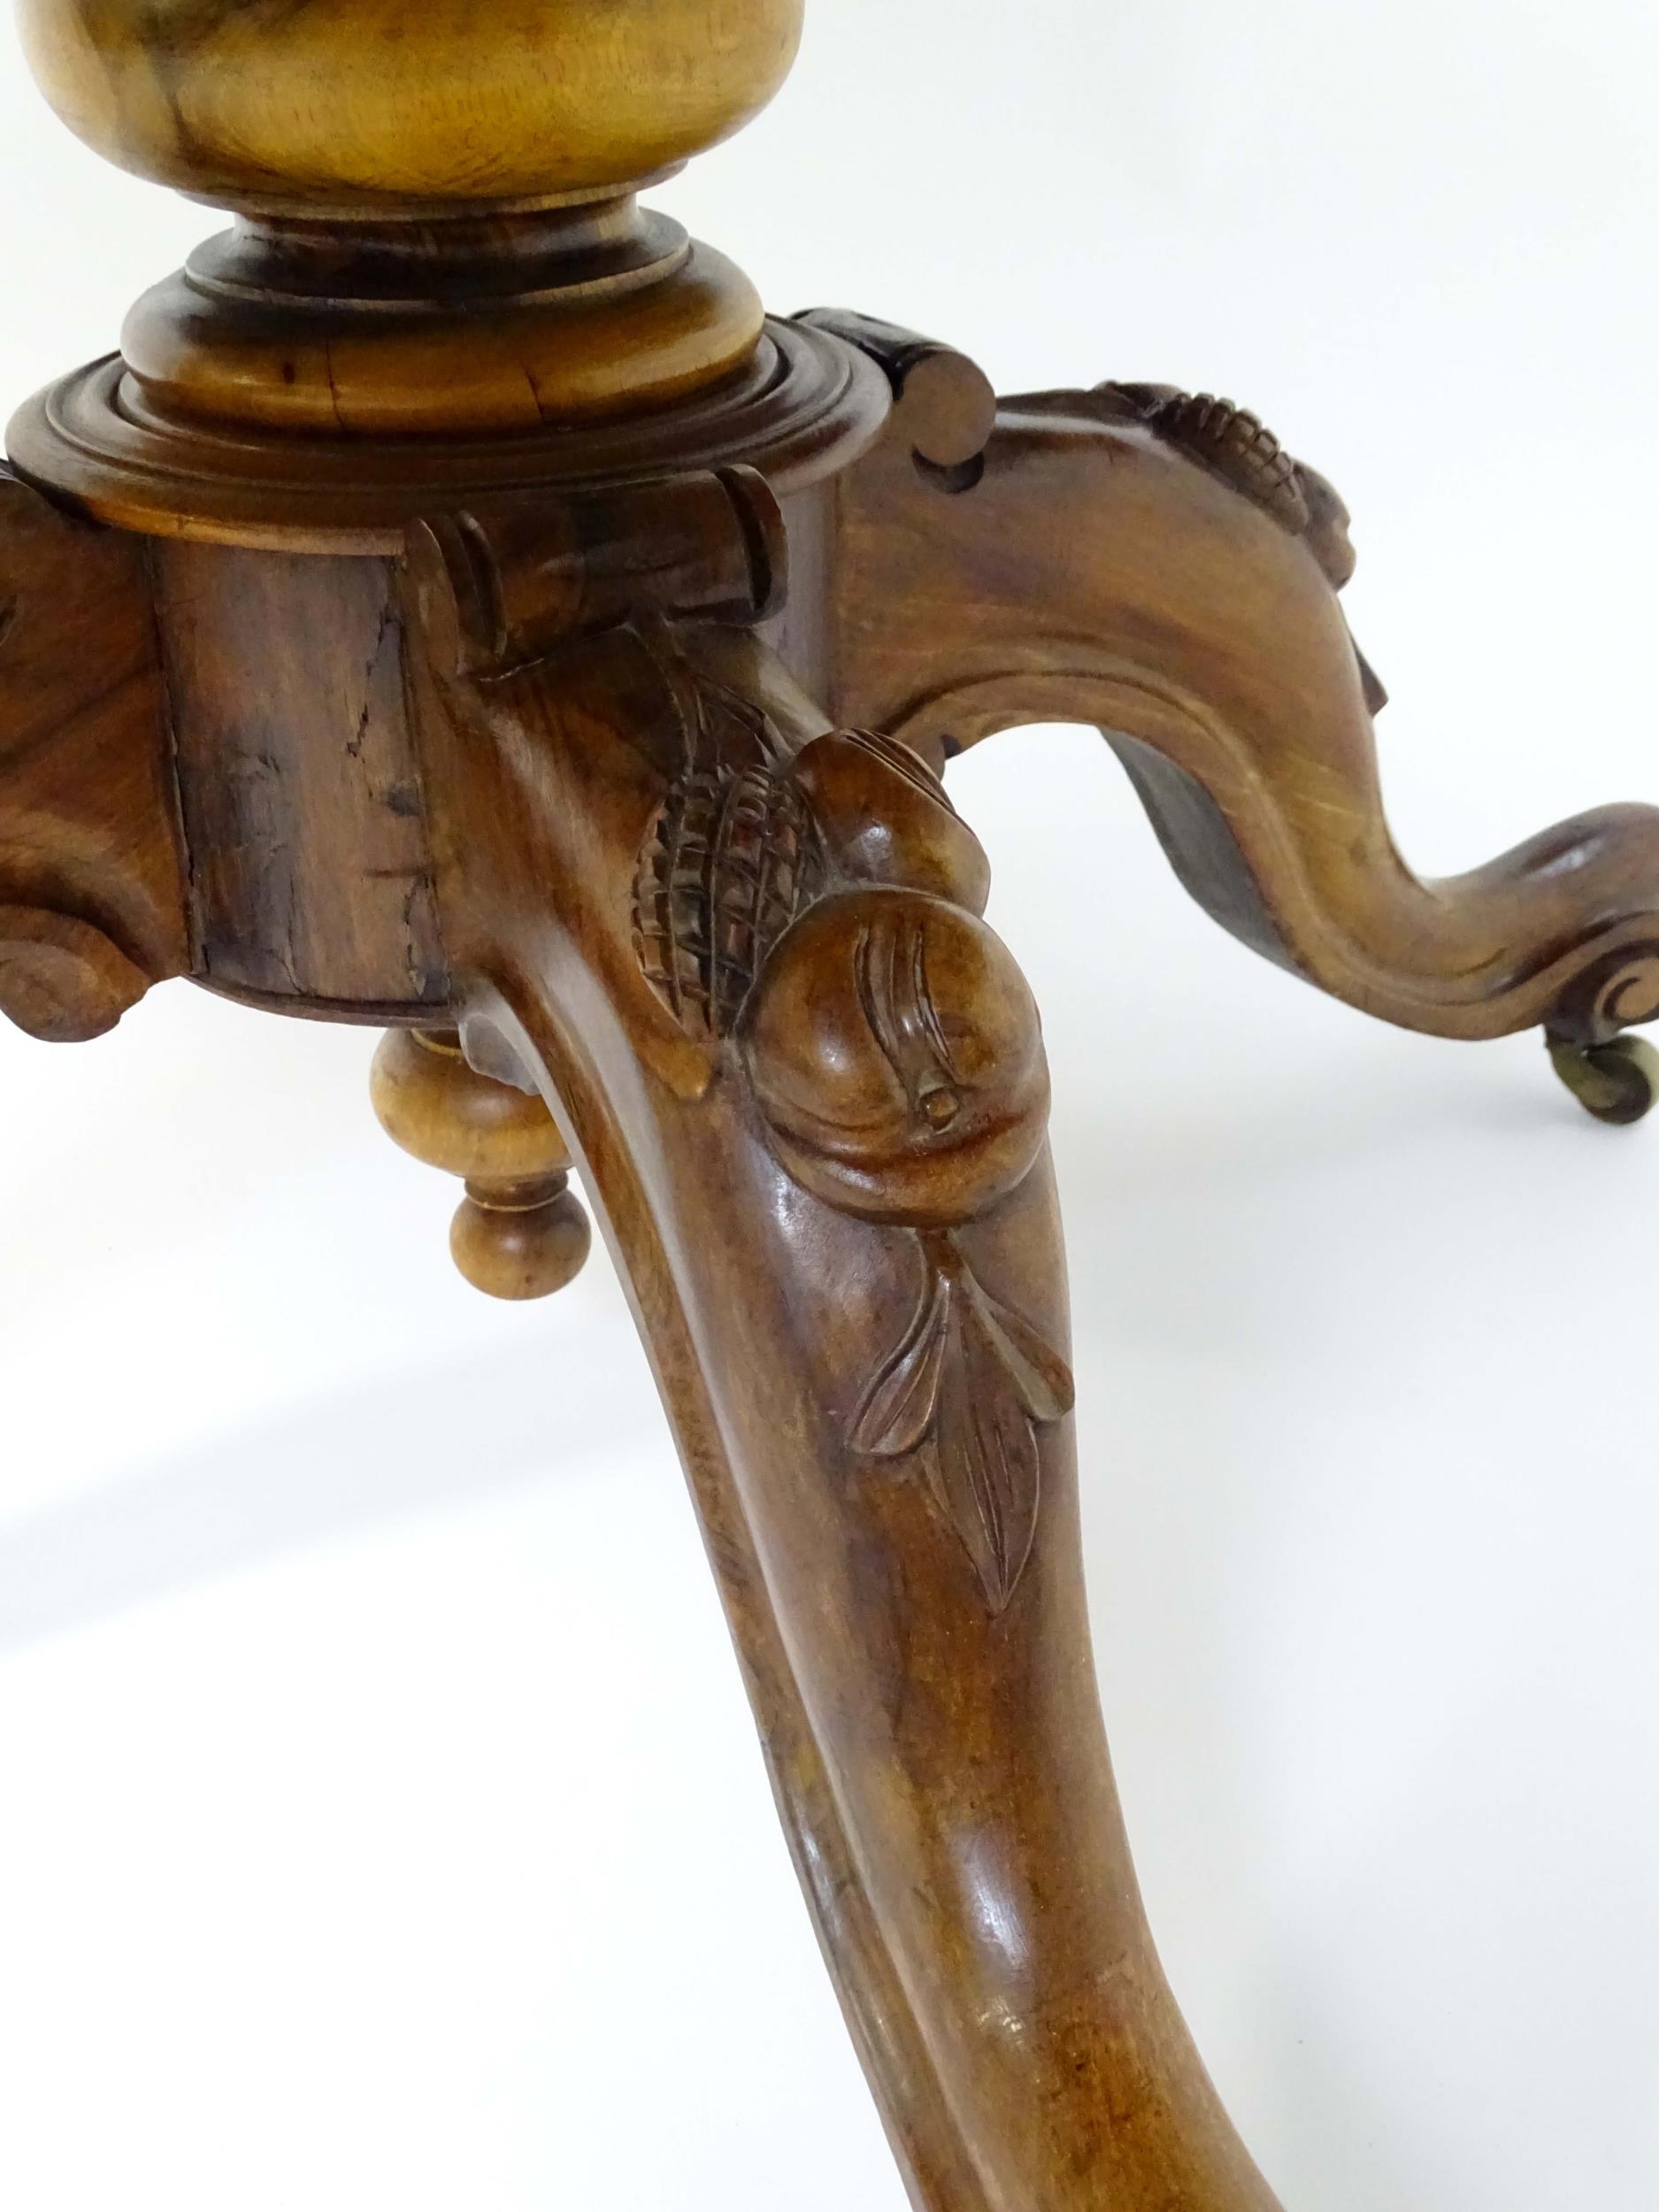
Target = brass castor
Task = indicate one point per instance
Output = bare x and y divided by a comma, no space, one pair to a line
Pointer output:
1619,1082
520,1231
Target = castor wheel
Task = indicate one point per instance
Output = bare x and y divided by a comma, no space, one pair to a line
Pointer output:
520,1231
1618,1082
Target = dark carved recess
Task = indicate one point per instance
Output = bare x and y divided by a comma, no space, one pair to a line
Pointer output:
732,858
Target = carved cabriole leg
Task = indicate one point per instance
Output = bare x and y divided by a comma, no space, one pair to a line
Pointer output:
1157,566
806,1086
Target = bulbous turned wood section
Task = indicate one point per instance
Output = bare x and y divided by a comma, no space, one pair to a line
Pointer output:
519,1234
439,271
320,104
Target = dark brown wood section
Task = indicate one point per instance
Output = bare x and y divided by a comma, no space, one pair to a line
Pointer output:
310,869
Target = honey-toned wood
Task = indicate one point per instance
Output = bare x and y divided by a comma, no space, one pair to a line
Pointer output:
255,332
802,407
439,242
326,104
522,648
519,1233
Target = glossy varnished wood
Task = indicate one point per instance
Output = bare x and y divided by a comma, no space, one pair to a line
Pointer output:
802,407
340,103
887,1471
440,268
508,639
519,1234
1159,567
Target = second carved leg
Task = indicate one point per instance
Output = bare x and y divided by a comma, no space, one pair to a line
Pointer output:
1155,564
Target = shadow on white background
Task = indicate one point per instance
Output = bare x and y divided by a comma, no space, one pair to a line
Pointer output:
383,1824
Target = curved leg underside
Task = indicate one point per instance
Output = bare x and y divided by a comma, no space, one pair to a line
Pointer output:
1155,565
742,955
92,880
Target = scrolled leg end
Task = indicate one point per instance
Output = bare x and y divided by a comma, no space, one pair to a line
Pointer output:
1613,1074
61,980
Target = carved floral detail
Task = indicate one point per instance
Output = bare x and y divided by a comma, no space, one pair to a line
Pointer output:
814,913
895,1056
968,1387
886,817
753,831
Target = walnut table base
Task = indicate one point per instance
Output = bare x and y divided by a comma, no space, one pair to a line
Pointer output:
459,610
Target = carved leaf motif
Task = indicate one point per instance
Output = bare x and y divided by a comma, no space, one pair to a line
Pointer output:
1040,1377
970,1384
985,1472
901,1406
1239,449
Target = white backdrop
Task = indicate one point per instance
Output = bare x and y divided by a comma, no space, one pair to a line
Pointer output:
381,1821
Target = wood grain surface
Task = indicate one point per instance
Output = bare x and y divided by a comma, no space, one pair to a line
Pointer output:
588,728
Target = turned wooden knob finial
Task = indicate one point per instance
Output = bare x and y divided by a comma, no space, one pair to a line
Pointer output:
520,1233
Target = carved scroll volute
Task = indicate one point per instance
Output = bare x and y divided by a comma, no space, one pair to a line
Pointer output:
92,908
944,404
